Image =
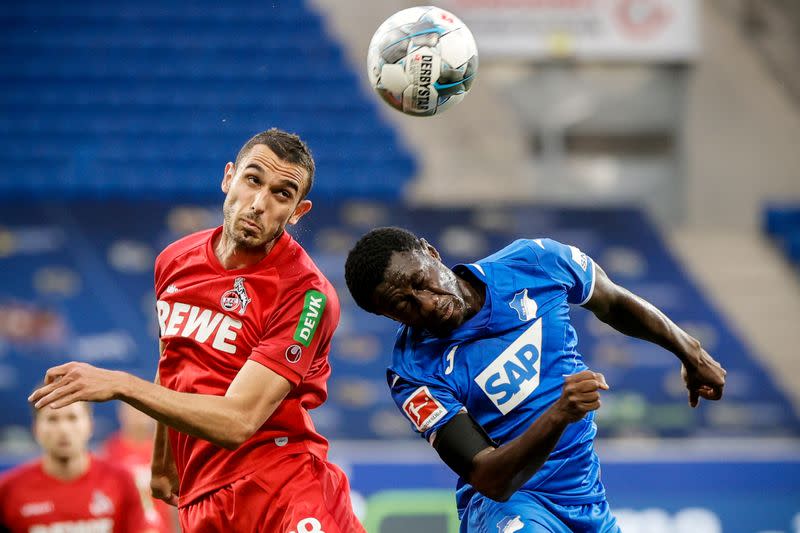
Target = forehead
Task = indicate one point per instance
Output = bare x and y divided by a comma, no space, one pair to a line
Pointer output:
79,408
263,156
404,265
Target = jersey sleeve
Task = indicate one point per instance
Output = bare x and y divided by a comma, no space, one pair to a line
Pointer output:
130,511
567,266
428,406
301,329
5,525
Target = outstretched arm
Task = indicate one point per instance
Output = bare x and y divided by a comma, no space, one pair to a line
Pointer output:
227,421
633,316
499,471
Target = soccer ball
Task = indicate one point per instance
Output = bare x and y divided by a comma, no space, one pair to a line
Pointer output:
422,60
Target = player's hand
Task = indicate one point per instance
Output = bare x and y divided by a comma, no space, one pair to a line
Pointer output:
704,377
165,488
581,394
76,382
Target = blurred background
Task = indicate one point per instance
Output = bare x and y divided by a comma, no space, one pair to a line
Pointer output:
662,137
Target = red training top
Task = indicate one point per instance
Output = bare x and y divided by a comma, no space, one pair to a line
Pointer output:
135,457
281,313
102,500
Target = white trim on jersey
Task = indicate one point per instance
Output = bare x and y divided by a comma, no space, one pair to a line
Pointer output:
591,287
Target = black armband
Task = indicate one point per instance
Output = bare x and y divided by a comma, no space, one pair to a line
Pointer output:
459,441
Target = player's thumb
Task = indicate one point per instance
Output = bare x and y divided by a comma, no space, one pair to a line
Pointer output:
694,397
602,380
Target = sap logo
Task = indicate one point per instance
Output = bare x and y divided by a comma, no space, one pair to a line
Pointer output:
514,374
196,323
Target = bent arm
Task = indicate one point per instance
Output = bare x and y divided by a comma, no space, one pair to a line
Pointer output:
633,316
636,317
499,471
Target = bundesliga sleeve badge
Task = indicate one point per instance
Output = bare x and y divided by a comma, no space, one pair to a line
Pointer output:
423,409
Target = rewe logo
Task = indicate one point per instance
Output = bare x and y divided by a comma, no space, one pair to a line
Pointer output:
514,374
196,323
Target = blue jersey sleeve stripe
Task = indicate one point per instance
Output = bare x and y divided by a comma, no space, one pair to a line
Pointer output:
591,286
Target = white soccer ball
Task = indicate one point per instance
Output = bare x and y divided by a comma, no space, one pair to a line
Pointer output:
422,60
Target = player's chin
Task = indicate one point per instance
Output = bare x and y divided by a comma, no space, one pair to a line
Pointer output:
442,328
251,240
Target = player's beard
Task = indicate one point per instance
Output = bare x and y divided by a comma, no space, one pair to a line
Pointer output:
245,240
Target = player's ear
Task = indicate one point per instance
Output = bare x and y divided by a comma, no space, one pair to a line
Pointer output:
430,250
230,170
303,207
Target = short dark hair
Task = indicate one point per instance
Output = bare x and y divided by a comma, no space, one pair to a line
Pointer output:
287,146
367,262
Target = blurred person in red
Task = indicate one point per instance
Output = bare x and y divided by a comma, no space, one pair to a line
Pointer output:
132,448
67,488
246,321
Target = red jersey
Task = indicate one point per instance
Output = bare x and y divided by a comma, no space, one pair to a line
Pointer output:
135,457
102,500
281,313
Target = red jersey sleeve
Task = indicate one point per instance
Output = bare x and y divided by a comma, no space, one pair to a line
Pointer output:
299,332
5,525
130,511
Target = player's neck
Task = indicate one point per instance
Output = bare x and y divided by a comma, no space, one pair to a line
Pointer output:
233,257
66,469
474,292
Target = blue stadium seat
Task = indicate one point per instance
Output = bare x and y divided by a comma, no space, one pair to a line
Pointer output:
84,88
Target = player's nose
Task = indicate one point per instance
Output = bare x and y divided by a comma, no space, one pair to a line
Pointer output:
259,203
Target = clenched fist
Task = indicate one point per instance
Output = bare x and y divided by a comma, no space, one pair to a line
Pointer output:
581,394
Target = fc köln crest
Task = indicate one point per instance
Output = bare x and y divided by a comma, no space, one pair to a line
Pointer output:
236,298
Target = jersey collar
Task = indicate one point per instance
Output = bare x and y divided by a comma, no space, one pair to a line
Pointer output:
269,260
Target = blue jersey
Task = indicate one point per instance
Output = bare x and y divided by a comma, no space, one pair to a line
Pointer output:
506,365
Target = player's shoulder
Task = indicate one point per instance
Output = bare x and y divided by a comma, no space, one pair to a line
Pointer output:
299,272
28,471
184,245
530,252
518,250
416,355
107,468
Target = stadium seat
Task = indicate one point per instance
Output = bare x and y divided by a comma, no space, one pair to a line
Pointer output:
97,97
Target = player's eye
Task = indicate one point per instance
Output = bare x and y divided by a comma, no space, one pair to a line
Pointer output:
254,180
